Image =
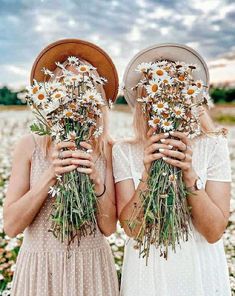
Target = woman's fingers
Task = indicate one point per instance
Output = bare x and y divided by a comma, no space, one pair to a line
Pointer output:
150,131
63,162
156,138
66,169
63,154
155,156
86,145
177,163
84,170
183,137
81,154
83,162
64,144
175,143
156,146
173,153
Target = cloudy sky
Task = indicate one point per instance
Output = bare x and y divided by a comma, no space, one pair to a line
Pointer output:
120,27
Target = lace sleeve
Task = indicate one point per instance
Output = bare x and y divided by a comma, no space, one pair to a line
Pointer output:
121,162
219,167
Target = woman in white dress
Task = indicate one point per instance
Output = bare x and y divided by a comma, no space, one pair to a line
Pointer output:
199,267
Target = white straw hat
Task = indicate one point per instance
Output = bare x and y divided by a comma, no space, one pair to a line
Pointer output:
171,51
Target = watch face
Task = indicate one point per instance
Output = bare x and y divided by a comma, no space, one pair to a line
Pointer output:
199,184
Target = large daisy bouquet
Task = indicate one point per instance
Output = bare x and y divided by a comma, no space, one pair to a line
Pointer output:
169,97
67,107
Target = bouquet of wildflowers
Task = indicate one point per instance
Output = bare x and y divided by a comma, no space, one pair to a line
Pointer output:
169,97
68,108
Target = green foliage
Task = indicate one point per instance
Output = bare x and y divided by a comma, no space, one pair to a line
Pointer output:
120,100
8,97
223,95
39,129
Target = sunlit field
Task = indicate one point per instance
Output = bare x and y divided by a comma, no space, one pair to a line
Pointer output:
15,123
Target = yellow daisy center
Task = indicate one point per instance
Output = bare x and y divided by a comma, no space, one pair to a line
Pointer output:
72,106
166,123
57,96
154,87
160,105
181,77
190,91
69,113
159,72
156,120
199,85
83,69
34,90
41,97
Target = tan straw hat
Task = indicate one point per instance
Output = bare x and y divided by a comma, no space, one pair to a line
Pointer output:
170,51
59,51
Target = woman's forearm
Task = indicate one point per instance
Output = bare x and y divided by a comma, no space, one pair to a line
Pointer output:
19,214
107,214
134,206
207,217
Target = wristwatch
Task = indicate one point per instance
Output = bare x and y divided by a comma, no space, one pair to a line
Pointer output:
198,185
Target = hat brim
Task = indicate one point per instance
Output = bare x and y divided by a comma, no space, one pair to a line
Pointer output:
59,51
170,51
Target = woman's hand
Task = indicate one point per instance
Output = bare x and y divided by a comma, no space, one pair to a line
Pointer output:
62,161
180,155
152,147
85,162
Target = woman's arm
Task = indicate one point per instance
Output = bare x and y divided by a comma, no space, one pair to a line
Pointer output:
210,206
128,199
107,216
22,203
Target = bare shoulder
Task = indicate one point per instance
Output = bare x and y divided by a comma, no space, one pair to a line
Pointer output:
24,147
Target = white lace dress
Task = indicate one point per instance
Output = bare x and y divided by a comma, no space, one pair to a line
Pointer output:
198,268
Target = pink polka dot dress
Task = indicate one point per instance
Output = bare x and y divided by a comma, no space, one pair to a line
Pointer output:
43,267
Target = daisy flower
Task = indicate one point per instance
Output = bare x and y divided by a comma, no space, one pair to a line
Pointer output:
92,96
160,106
199,84
68,113
190,91
73,60
166,125
158,72
154,122
179,111
58,95
83,68
40,97
34,88
73,80
153,88
143,67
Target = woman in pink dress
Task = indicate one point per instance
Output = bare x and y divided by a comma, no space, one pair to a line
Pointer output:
43,267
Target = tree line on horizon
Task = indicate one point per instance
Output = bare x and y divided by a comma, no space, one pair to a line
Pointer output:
10,97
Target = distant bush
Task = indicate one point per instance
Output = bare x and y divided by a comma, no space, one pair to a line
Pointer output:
223,95
9,97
